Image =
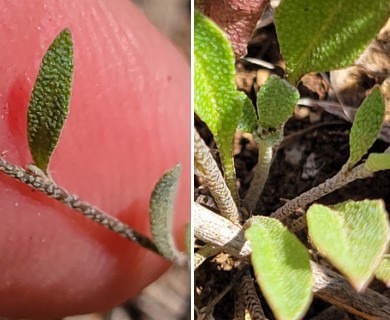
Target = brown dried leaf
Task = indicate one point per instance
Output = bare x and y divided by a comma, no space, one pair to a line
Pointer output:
237,18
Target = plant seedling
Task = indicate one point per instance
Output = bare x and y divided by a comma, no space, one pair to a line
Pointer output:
353,236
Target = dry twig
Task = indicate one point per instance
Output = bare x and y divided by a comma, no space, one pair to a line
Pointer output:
327,285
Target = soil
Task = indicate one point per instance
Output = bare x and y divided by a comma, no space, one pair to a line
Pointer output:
315,147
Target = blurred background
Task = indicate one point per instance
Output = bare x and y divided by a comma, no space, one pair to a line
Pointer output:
173,18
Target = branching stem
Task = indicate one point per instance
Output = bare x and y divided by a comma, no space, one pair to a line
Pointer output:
91,212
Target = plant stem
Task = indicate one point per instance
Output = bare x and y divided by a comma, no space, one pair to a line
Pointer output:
215,229
261,175
91,212
327,285
248,298
208,168
230,175
297,224
343,177
204,253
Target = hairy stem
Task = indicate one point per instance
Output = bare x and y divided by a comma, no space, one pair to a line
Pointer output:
208,168
213,228
248,298
343,177
297,224
91,212
230,175
260,177
327,285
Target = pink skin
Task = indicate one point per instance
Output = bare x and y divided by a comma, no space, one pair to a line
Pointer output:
129,122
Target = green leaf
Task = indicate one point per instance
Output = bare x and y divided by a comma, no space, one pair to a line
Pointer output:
161,209
248,121
216,100
366,126
383,271
276,100
49,102
377,162
282,267
353,236
325,35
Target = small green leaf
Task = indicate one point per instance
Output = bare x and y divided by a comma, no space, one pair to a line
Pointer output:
276,100
216,100
49,102
383,271
325,35
353,236
248,121
161,209
377,162
366,126
282,267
